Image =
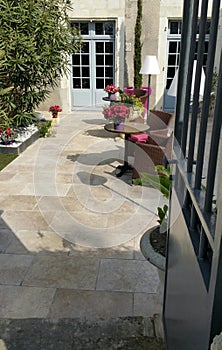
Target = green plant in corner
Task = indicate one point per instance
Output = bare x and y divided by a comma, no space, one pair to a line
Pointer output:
44,128
214,201
160,181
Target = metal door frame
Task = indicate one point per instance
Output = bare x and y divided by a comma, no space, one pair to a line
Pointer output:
192,296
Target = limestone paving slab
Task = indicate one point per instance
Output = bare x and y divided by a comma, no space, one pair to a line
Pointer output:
123,251
14,268
53,203
147,304
87,233
44,188
62,271
91,304
11,189
65,178
89,219
22,177
21,220
25,302
18,202
6,176
100,275
6,237
37,242
127,276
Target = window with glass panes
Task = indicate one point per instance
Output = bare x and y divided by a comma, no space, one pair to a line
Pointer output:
174,38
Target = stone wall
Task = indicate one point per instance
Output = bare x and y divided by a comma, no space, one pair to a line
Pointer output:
156,14
96,10
149,38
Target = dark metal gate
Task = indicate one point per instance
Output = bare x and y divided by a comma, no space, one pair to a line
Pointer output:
193,287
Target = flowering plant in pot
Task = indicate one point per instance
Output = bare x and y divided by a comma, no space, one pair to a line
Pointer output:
116,113
111,89
8,136
135,104
55,110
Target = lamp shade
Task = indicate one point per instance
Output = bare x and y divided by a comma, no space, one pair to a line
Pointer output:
173,87
150,66
202,81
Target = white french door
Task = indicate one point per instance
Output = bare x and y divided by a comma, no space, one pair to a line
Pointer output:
93,67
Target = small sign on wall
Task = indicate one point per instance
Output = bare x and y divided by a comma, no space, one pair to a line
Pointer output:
128,47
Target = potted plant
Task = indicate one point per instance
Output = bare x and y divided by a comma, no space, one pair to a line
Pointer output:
55,110
153,242
112,90
117,113
8,136
135,104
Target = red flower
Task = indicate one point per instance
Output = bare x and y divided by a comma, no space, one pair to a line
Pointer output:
55,109
8,135
8,132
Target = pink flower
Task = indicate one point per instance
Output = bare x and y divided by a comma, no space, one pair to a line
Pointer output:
111,88
116,112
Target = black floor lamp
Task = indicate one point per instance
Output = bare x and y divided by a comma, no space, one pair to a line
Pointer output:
149,67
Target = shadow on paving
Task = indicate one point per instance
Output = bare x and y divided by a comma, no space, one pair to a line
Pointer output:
79,333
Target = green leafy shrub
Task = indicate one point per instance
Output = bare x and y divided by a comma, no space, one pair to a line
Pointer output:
37,39
160,181
130,99
4,120
44,128
22,119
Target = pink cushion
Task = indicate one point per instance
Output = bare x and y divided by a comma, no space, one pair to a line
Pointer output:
142,138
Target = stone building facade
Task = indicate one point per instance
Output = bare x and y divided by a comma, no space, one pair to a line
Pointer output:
108,28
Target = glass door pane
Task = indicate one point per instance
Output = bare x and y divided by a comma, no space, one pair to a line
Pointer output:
81,68
104,52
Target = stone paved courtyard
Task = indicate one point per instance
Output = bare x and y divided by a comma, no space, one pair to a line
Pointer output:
70,229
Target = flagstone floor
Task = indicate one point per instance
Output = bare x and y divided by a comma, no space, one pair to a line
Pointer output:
70,229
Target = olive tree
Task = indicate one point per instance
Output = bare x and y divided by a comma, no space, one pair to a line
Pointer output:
37,39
